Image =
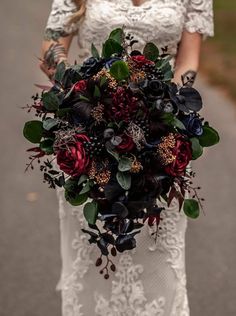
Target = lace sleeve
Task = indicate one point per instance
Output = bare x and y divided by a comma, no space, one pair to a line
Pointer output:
57,24
199,17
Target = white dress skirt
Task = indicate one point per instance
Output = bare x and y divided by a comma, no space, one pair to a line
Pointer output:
150,280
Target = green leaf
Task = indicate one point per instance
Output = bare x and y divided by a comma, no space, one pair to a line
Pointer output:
49,123
124,180
94,51
151,51
111,47
91,212
50,101
114,154
177,123
77,199
86,188
60,71
209,137
119,70
168,75
117,35
33,131
83,98
124,164
197,149
63,112
103,81
71,185
47,146
191,208
82,179
96,92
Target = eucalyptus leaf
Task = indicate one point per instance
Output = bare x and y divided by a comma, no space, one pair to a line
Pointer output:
50,101
49,123
119,70
197,149
124,164
210,137
63,112
33,131
96,93
82,179
60,71
191,208
117,35
71,185
91,212
47,146
77,199
113,153
124,180
86,188
177,123
151,51
94,51
111,47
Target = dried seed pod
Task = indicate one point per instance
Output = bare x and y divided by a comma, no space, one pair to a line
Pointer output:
113,267
98,262
106,276
113,251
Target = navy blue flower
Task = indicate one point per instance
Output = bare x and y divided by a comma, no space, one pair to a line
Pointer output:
110,61
193,124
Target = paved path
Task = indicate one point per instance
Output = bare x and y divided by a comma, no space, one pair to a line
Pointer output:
29,236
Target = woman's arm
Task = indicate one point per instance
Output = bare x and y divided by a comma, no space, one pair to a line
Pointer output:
54,52
187,60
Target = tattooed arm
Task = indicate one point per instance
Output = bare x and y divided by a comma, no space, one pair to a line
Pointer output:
54,51
187,60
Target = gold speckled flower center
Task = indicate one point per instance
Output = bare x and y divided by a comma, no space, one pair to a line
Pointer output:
165,147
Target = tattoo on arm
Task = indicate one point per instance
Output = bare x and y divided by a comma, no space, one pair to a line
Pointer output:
188,78
54,35
53,55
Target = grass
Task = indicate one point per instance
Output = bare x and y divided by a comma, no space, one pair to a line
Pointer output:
219,53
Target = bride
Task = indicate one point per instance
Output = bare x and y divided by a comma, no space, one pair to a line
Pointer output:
150,280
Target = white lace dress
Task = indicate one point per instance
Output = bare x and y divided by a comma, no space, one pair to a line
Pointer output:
151,280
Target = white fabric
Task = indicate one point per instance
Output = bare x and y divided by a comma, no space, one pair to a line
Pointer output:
151,280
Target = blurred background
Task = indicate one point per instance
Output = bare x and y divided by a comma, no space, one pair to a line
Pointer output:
29,228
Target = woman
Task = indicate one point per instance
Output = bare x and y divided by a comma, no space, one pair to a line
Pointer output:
151,280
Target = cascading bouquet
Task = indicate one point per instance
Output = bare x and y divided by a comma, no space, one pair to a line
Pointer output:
122,135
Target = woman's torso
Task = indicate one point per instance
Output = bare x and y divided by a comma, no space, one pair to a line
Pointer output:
159,21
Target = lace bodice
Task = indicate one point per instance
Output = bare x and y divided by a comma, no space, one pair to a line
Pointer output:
151,280
159,21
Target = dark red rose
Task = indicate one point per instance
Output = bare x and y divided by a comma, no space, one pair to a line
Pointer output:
123,106
183,154
142,60
80,86
126,145
74,161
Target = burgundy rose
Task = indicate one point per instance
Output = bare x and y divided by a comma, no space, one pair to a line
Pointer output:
183,153
124,105
142,60
74,161
126,145
80,86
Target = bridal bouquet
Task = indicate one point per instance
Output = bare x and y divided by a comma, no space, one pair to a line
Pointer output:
122,135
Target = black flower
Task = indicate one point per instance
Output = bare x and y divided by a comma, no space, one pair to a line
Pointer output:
153,89
90,67
193,124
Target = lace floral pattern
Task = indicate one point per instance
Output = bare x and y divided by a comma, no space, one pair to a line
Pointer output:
127,294
152,280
